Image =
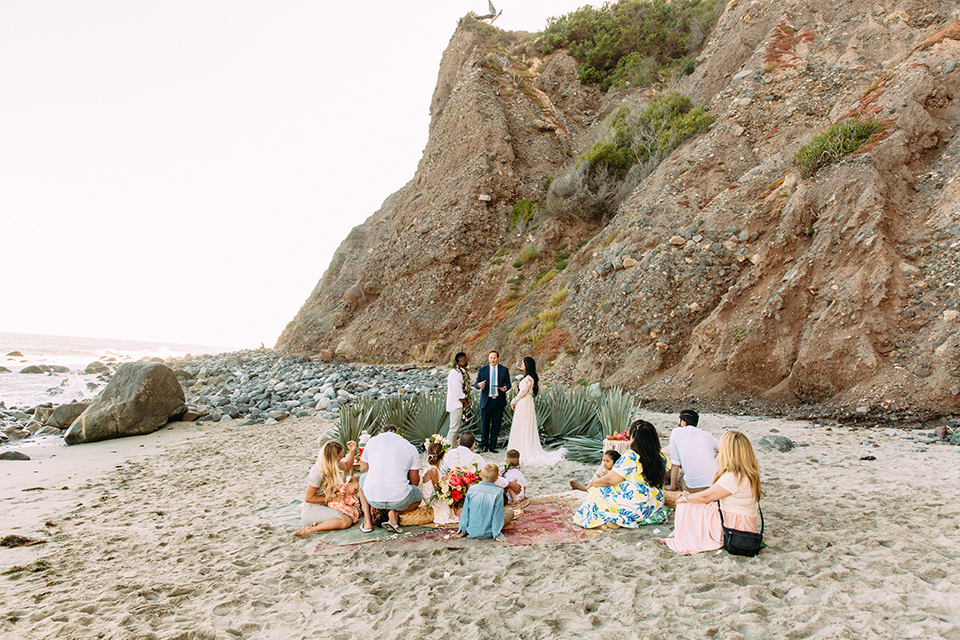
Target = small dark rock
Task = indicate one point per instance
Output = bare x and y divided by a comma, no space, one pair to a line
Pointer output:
13,455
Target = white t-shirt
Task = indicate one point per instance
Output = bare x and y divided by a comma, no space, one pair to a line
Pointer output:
696,451
515,475
460,457
314,479
741,500
390,458
454,390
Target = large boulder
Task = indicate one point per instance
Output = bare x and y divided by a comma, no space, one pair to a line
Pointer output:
140,398
64,415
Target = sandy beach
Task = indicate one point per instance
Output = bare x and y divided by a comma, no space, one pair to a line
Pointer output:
156,537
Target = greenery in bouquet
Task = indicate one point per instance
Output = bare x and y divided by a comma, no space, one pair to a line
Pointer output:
452,487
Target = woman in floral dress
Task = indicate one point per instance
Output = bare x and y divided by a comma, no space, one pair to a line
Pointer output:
630,495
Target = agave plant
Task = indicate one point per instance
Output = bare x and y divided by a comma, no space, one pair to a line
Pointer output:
427,417
355,417
568,414
584,449
394,410
615,411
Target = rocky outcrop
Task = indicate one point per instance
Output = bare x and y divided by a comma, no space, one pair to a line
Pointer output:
726,273
140,398
64,415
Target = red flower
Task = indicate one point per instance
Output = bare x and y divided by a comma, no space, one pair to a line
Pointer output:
456,494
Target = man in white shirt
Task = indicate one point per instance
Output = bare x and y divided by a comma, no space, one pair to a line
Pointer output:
693,453
391,474
457,399
463,456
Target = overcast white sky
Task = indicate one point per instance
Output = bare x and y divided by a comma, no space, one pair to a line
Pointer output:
182,171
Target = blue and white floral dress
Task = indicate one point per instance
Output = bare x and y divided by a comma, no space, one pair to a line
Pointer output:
631,503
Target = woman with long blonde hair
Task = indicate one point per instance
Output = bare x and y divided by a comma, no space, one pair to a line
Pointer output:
735,491
326,478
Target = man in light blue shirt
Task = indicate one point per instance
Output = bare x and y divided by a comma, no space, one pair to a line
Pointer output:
483,514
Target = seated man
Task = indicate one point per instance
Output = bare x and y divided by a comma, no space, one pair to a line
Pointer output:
483,513
464,456
391,472
693,453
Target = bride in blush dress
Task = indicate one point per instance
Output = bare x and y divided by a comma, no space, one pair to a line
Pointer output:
523,432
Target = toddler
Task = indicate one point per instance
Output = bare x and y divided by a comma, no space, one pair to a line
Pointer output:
610,458
514,477
483,513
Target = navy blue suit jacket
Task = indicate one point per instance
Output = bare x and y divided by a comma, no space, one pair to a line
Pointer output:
503,380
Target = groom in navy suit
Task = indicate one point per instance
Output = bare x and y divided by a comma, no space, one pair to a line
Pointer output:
493,380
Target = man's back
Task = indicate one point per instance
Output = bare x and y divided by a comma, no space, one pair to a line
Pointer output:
390,458
696,451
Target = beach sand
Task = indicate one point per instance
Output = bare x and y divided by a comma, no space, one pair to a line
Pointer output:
160,541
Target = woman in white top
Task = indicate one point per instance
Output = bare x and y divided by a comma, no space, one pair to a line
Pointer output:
524,436
328,472
735,489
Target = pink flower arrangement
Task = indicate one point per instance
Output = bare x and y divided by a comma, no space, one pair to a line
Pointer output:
452,487
619,435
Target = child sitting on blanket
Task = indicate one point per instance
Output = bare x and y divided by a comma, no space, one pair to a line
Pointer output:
346,499
483,513
610,458
512,474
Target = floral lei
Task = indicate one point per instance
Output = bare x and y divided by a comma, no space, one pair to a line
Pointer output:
463,378
508,466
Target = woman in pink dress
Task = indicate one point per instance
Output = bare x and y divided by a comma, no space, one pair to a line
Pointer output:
736,489
524,436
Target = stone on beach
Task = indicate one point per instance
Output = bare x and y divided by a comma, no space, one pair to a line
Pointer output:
13,455
140,398
34,368
64,415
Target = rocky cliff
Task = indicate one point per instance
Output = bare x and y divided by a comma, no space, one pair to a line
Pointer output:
726,274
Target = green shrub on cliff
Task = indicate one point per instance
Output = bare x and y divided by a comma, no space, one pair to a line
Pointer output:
634,142
523,211
632,42
839,140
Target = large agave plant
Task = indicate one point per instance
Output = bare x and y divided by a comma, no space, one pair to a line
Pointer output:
356,416
567,414
615,411
394,410
427,417
584,449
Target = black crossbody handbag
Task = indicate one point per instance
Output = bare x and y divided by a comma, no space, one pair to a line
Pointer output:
742,543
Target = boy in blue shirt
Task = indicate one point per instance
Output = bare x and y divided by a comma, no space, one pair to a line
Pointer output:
483,514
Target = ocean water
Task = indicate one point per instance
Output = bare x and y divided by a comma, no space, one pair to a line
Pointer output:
24,390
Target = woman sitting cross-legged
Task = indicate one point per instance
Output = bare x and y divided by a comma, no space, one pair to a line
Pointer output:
736,488
630,494
325,484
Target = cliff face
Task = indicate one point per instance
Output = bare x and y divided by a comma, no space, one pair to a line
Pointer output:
725,273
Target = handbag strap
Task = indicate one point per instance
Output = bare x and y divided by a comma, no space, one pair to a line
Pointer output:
758,508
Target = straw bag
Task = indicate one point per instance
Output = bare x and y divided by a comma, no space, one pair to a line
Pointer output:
742,543
420,516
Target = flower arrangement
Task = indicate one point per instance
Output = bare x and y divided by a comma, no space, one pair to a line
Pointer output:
619,435
437,438
452,487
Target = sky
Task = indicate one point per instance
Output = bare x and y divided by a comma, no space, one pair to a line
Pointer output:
182,171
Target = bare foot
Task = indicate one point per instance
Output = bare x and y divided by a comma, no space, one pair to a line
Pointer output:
302,531
579,486
661,540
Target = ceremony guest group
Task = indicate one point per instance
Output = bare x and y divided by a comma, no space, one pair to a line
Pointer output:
712,475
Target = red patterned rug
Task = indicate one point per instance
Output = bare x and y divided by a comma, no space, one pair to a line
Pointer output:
540,523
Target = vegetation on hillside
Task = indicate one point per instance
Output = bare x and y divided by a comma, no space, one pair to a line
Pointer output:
633,143
632,42
839,140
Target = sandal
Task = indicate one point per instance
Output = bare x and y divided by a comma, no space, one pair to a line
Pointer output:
389,526
362,530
